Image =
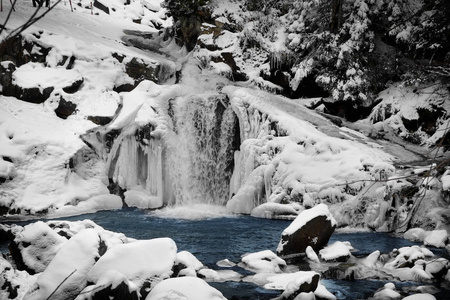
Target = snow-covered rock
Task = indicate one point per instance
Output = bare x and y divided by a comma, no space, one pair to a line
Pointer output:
187,288
436,238
141,261
113,285
35,246
338,251
187,264
263,261
65,276
387,292
312,227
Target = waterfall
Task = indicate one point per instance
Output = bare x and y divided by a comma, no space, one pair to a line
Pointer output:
201,149
136,163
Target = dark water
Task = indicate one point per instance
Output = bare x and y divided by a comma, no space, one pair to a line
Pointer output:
211,240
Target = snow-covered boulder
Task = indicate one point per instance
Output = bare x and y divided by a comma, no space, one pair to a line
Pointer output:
13,283
186,288
186,264
338,251
436,238
313,227
65,276
142,262
263,261
300,286
111,285
387,292
35,246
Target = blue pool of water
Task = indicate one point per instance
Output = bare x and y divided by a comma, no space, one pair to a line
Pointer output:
211,240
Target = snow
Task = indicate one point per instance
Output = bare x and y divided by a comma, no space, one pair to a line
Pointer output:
263,262
311,254
435,238
69,268
138,261
38,245
190,261
335,251
188,288
307,215
424,296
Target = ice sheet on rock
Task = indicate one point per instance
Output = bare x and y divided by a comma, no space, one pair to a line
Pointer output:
138,261
69,268
187,288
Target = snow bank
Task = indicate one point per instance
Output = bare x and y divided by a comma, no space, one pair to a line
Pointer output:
188,288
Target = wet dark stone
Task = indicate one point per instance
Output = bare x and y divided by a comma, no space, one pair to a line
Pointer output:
65,108
314,233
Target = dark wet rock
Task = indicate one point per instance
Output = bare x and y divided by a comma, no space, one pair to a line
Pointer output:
315,233
73,87
98,4
21,51
99,120
141,70
65,108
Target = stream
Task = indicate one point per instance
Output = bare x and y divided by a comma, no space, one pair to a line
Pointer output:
231,236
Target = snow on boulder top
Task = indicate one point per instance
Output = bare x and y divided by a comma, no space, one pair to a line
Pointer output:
338,251
37,75
66,273
264,261
138,261
307,215
186,288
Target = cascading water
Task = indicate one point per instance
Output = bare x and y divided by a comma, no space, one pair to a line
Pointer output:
201,149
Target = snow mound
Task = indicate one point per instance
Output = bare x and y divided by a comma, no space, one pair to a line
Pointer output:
69,268
186,288
263,262
139,261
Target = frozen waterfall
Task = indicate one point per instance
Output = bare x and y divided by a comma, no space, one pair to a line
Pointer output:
201,149
187,160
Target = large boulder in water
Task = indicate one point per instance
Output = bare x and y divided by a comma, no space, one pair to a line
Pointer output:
312,227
